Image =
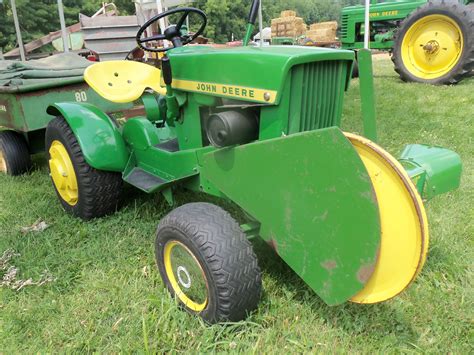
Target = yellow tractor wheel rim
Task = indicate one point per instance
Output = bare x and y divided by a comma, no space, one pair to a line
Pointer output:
186,276
432,47
62,173
3,163
404,226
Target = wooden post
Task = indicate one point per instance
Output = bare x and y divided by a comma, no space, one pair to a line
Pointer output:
63,26
18,32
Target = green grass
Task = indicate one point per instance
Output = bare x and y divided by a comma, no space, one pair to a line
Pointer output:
108,295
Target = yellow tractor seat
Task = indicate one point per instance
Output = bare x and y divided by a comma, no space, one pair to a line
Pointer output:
123,81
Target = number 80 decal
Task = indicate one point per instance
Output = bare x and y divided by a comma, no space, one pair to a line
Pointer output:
81,96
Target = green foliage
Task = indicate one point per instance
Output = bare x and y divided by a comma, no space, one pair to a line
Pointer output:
38,18
108,296
226,17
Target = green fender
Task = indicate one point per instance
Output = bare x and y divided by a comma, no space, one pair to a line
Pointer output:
101,142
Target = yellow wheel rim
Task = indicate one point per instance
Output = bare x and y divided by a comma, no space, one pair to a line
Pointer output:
186,276
62,173
404,226
3,163
432,47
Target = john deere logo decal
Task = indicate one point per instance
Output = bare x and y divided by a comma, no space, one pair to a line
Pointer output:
232,91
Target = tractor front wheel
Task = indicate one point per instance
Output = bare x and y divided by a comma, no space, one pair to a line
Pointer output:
14,153
83,191
207,263
435,44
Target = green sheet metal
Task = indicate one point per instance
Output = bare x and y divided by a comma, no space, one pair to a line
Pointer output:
367,97
76,42
388,12
315,202
434,170
277,61
99,138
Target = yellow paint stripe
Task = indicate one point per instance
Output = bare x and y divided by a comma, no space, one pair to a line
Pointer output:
231,91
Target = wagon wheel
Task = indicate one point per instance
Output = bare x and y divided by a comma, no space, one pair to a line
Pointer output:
14,153
83,191
207,263
435,44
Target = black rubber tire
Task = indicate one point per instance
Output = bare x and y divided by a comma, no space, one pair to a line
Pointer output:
15,152
355,70
464,17
224,253
99,191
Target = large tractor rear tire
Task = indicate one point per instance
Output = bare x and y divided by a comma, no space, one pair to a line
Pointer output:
14,153
83,191
207,263
435,44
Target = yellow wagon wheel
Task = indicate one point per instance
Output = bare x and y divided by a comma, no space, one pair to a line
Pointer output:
3,163
404,225
435,45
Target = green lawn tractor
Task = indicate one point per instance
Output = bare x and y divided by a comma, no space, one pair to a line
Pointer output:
257,127
430,41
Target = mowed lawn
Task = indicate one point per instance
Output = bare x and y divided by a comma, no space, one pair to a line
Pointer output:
107,295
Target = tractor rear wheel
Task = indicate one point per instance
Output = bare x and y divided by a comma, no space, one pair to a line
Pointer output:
435,44
83,191
14,153
207,263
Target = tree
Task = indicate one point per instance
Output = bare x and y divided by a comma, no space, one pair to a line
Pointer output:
38,18
226,17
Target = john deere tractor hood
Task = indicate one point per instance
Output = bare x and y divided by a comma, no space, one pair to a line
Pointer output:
247,73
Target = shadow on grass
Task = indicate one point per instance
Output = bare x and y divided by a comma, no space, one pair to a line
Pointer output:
374,320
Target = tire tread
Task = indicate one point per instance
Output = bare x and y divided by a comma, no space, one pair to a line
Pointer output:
15,152
466,64
228,255
99,191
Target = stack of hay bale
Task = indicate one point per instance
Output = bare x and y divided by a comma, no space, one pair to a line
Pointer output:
288,25
322,32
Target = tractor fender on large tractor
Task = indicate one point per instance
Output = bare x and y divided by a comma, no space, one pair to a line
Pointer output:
99,138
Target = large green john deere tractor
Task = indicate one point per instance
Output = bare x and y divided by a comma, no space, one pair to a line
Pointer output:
430,41
259,128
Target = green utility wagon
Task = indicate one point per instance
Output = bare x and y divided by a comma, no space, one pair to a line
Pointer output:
258,127
26,90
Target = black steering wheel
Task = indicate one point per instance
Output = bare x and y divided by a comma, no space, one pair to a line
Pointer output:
173,32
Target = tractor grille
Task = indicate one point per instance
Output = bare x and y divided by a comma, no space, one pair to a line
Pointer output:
344,25
317,93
